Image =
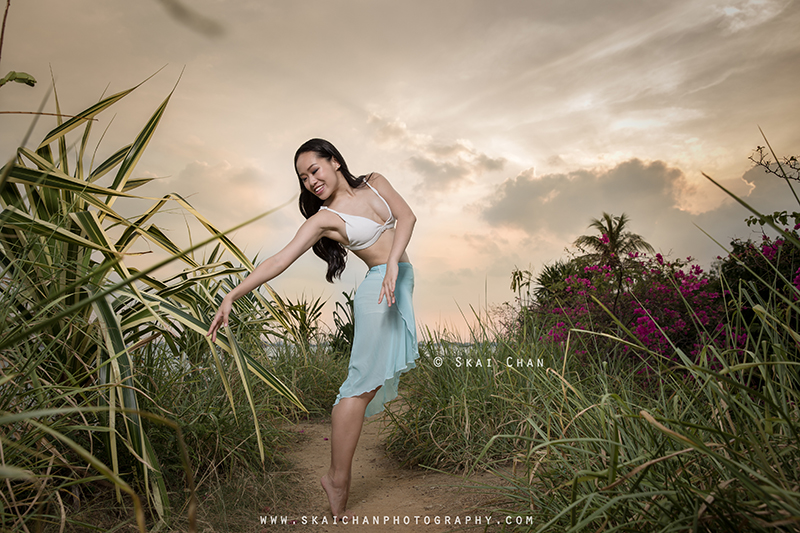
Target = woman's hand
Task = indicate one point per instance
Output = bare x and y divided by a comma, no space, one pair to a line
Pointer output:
389,280
221,318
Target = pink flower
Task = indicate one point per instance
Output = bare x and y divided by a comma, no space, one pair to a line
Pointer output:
796,280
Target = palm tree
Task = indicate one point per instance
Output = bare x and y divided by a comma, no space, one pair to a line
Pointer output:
614,243
551,279
613,246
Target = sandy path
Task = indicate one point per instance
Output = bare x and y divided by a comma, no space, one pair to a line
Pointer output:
381,488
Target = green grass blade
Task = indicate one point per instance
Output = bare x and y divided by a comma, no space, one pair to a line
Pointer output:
14,218
82,117
137,149
106,166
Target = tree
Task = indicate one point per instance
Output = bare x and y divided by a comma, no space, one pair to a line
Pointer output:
613,243
613,246
552,278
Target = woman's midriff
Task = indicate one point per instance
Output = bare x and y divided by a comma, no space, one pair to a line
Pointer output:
378,253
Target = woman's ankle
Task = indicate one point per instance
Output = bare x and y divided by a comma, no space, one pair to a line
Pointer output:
338,480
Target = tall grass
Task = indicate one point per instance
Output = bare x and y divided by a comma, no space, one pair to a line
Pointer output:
77,324
587,443
706,450
451,410
314,374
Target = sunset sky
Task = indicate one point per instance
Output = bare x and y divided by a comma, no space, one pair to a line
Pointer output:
506,125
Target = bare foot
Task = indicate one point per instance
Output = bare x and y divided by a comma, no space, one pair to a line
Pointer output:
337,496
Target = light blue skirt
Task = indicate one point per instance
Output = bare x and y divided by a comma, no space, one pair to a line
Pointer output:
385,339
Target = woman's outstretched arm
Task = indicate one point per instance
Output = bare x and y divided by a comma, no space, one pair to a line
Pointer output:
309,233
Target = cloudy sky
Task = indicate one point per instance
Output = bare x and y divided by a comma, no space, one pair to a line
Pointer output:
507,125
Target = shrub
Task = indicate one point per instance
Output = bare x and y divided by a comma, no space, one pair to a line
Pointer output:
661,305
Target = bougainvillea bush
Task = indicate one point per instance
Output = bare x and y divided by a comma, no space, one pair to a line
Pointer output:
665,305
771,263
654,302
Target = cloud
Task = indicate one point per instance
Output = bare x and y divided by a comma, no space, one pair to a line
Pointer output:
558,207
244,186
742,14
444,166
394,132
439,176
226,194
563,203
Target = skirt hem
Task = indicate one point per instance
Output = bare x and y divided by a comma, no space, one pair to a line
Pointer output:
412,365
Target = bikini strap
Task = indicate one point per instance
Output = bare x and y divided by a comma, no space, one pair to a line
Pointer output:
382,199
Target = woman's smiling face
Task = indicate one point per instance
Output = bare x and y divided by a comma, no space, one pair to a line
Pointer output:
317,174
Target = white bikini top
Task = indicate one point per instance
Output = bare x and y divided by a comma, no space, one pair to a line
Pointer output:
363,232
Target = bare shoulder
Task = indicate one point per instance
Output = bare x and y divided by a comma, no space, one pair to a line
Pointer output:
323,223
378,181
324,219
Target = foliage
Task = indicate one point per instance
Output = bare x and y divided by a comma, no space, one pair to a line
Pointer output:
305,315
341,341
580,445
614,243
787,167
74,319
663,305
710,453
771,267
613,247
460,395
551,280
19,77
218,440
299,322
314,375
712,444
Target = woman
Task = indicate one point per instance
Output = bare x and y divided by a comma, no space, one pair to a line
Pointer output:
359,214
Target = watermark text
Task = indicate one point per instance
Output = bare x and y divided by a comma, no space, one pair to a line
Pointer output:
396,520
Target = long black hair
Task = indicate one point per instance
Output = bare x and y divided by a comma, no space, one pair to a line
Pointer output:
329,250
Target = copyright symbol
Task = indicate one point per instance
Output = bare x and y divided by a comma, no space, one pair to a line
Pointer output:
437,361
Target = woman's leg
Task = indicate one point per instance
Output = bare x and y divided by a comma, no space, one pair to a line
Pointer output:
347,419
